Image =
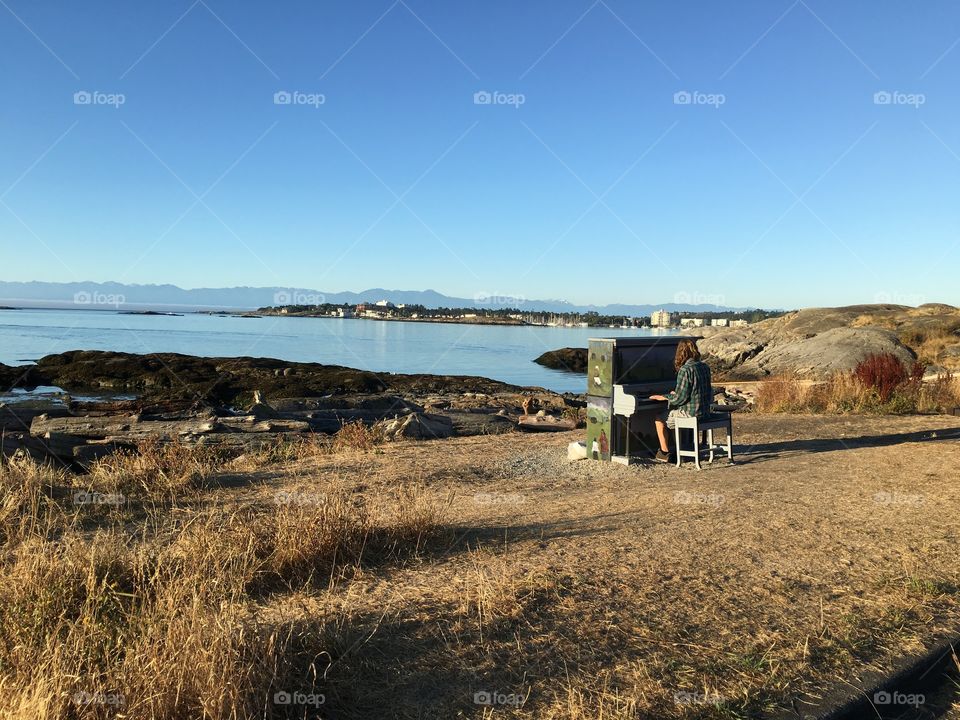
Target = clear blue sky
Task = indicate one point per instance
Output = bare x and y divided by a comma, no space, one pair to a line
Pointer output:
798,190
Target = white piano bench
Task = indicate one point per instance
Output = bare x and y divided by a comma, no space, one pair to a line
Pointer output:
706,426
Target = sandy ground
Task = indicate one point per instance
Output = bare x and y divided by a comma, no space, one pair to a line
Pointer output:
589,589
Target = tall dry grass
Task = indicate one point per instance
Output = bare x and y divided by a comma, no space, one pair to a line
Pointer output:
159,619
844,393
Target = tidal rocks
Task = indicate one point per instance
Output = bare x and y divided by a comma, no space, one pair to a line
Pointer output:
569,359
228,380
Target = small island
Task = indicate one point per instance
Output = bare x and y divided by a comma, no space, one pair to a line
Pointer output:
151,312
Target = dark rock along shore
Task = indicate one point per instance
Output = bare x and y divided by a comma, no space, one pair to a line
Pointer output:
239,404
169,376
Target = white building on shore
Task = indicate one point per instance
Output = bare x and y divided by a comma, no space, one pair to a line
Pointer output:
660,318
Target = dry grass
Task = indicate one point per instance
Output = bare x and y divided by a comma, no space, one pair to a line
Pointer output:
929,343
160,620
573,591
157,468
844,393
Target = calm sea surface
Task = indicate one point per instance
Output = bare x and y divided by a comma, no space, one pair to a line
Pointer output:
500,352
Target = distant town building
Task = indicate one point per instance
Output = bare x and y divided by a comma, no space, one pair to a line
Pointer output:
738,323
691,322
384,304
344,312
661,318
720,322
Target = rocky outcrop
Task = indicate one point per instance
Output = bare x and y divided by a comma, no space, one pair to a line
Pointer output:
814,343
820,341
568,359
227,380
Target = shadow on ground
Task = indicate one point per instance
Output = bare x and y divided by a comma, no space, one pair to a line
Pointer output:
757,452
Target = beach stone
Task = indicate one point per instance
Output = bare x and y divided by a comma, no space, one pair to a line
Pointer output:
577,450
419,426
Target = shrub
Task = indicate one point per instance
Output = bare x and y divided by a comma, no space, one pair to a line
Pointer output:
357,436
882,372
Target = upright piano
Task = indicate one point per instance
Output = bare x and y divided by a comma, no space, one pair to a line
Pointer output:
622,374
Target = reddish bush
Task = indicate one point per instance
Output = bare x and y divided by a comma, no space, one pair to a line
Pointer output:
883,373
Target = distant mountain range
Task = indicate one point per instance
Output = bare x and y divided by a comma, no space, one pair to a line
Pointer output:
111,295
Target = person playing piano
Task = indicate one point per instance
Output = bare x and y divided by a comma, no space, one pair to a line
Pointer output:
692,396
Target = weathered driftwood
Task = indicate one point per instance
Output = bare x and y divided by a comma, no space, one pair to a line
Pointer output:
79,440
128,425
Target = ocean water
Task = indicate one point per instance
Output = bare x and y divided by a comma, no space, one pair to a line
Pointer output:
500,352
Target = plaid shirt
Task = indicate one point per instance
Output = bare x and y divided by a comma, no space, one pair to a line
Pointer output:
694,392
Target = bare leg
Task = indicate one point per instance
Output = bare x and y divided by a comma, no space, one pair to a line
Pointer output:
662,435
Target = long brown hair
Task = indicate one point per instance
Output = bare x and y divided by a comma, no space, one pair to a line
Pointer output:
686,350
